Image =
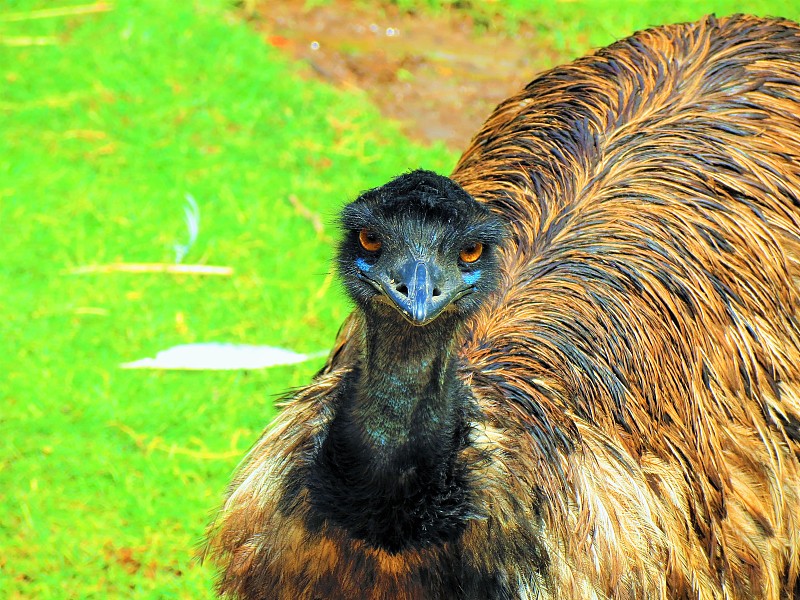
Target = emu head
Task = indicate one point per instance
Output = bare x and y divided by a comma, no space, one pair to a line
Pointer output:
421,245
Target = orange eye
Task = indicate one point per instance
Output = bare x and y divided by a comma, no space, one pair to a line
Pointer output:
369,240
471,253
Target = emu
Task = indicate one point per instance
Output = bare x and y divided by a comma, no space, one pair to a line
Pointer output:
573,367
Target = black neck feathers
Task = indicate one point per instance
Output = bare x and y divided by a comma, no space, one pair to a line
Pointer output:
389,471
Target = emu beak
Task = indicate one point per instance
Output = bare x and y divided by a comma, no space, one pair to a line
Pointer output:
418,293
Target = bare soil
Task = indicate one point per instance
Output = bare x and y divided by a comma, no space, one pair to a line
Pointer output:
440,77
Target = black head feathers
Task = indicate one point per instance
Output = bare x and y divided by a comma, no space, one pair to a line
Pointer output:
424,194
421,242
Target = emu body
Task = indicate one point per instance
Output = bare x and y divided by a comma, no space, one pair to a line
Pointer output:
617,411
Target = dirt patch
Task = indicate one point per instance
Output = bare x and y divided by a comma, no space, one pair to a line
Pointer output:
438,76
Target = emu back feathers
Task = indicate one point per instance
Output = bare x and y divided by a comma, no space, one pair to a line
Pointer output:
638,372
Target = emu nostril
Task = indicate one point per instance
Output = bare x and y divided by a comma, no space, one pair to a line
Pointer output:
402,289
437,292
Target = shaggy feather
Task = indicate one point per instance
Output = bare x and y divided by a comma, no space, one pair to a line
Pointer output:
636,374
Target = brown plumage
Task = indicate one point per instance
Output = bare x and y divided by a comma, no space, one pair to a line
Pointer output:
634,378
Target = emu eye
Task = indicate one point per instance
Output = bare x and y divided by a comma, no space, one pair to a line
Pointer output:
471,252
369,240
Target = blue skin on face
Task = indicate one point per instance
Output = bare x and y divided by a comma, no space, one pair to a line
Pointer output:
472,277
363,264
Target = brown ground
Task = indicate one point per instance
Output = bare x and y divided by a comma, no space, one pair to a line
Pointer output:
437,76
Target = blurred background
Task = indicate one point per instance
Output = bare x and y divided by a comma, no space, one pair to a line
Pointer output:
170,174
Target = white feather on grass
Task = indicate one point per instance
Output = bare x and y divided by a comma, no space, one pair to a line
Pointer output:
220,357
191,216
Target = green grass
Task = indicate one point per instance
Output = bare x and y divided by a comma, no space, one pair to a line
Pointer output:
577,26
108,476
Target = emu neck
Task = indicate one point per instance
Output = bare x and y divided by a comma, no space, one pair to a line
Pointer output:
407,388
388,471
